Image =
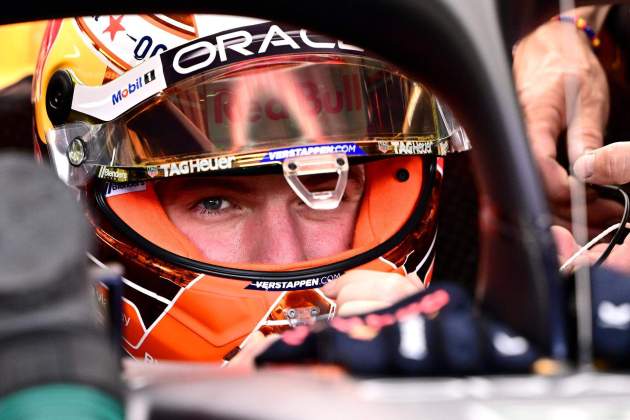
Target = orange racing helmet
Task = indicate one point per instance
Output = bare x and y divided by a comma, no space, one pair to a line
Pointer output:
174,129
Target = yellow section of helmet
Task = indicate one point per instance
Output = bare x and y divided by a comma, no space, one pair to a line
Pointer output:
70,51
19,44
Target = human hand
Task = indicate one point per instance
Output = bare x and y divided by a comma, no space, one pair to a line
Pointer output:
356,292
618,260
361,291
409,338
607,165
561,85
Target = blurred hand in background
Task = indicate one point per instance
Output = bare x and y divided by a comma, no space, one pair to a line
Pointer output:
562,86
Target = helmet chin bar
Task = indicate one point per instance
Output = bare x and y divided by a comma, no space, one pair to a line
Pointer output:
294,167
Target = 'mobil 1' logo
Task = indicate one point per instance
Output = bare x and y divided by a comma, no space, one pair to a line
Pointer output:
133,87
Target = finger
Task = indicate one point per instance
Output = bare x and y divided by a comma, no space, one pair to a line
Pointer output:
374,286
544,121
256,344
555,179
333,288
587,114
592,231
602,212
567,248
543,135
565,243
618,260
607,165
361,307
541,94
544,124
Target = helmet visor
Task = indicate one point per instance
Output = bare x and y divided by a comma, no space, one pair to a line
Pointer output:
259,113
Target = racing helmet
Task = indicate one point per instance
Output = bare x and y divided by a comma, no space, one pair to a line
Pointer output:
180,132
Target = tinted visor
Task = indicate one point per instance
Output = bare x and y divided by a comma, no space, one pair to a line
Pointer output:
258,113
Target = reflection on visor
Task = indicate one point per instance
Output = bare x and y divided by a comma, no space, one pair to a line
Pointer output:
269,105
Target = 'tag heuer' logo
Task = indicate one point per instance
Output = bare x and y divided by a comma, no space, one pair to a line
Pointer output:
133,87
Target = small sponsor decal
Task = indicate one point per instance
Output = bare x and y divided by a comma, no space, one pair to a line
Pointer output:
132,87
349,149
383,146
275,285
242,43
152,171
108,101
194,166
115,174
114,189
411,147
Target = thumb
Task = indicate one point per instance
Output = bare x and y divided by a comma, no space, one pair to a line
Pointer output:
606,165
565,244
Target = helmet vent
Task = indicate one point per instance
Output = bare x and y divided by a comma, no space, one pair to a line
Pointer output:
59,97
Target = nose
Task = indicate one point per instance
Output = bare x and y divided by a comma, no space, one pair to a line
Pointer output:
279,239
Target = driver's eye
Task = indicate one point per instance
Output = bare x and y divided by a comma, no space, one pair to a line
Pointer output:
214,204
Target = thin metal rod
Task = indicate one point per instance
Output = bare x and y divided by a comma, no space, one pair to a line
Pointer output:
579,220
